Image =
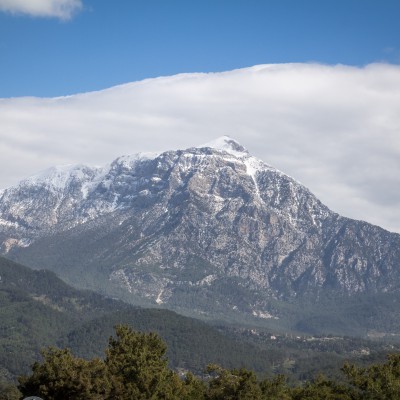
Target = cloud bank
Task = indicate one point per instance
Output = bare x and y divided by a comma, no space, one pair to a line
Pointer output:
62,9
336,129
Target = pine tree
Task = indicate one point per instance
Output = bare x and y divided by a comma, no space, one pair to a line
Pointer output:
138,366
378,381
63,376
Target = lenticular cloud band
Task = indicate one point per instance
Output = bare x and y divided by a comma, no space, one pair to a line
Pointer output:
334,128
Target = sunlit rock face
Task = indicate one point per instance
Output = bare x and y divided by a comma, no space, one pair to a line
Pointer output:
191,227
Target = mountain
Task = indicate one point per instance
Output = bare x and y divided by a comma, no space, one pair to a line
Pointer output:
209,231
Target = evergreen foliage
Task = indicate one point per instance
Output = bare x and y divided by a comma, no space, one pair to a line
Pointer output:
138,368
63,376
9,391
378,381
37,309
135,367
233,384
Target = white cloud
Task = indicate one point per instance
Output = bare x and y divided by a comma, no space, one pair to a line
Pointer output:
334,128
63,9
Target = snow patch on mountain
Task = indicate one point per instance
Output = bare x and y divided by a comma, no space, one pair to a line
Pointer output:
253,166
263,314
208,280
226,144
57,177
91,184
131,159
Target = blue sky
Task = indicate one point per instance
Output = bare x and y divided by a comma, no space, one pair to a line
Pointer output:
104,43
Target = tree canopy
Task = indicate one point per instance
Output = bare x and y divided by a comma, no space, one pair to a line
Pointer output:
135,367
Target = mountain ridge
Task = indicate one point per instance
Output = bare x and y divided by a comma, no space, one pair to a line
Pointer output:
196,229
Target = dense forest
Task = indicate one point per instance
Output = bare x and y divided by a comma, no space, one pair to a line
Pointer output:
38,310
136,367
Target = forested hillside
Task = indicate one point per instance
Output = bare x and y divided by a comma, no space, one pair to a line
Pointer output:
38,310
135,367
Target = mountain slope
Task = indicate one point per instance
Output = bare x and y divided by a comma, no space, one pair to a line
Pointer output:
208,231
38,309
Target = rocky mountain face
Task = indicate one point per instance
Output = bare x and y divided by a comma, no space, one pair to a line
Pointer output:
207,228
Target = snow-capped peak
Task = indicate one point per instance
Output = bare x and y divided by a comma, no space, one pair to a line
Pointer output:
227,144
57,176
133,158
